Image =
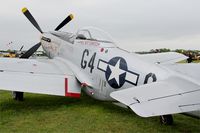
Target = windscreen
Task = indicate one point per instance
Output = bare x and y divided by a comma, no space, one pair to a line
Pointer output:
91,33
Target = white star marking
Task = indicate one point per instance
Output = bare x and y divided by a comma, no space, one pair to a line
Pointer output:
116,72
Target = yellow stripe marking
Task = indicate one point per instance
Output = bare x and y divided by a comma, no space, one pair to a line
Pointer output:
24,9
71,16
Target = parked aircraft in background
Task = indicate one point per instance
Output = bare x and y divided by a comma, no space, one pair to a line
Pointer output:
150,85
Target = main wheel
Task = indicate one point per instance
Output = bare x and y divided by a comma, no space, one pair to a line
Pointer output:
166,119
18,96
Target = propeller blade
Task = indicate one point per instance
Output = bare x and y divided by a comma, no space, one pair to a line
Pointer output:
31,19
31,51
21,48
64,22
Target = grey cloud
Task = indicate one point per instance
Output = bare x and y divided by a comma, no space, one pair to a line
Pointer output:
145,23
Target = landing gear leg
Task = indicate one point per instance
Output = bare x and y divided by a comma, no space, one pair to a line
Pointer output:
18,96
166,119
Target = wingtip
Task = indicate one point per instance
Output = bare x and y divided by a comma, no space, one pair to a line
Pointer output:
24,9
71,16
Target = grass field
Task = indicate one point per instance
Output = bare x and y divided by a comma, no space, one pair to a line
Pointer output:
185,61
42,113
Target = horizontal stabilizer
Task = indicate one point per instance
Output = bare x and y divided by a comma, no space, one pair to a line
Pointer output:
188,69
163,58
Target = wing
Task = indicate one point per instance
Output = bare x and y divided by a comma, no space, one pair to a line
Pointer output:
49,76
164,58
174,95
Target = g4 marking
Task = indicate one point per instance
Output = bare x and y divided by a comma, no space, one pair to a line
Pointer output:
84,62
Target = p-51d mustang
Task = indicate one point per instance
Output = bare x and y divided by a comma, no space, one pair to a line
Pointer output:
151,85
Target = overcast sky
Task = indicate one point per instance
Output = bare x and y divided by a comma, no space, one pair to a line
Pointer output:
135,25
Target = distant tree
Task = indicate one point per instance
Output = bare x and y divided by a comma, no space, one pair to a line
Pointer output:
180,51
164,50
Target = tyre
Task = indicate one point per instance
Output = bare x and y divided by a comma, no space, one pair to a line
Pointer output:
18,96
166,119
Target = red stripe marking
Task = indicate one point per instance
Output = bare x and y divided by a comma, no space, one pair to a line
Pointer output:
67,94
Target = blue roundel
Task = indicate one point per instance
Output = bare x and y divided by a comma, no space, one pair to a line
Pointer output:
116,72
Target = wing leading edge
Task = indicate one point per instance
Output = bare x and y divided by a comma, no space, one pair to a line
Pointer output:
174,95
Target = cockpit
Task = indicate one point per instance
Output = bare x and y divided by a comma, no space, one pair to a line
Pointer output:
87,34
94,34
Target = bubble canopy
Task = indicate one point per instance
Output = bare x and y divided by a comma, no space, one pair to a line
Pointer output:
94,34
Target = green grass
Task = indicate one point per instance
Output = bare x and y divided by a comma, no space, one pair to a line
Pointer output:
42,113
185,61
